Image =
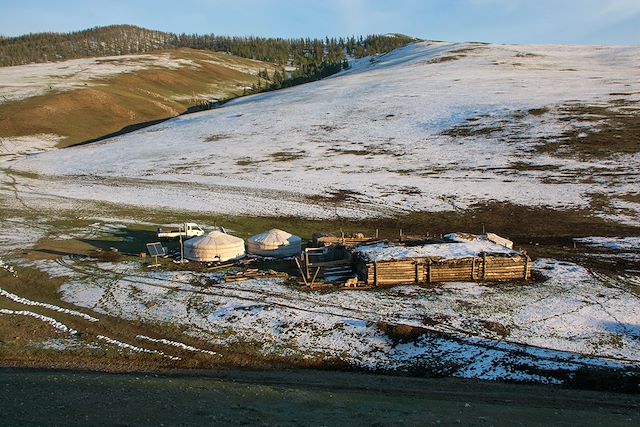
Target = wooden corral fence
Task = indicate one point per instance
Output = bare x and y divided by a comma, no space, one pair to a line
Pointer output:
418,270
321,240
333,263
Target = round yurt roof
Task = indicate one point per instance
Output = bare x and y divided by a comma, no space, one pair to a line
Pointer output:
274,237
214,238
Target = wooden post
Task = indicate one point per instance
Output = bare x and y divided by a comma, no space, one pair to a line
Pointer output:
526,267
301,272
429,272
377,234
417,278
181,251
484,266
306,264
375,273
314,276
401,234
342,235
473,268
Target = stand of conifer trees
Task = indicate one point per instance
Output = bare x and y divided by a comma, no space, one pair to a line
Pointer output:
312,59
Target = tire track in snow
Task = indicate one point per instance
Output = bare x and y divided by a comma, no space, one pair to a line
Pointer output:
14,187
609,281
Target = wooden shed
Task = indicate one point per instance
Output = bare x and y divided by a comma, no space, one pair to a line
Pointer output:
462,258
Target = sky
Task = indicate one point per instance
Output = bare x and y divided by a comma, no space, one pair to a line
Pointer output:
498,21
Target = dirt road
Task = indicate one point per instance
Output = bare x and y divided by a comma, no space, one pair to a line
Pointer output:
296,398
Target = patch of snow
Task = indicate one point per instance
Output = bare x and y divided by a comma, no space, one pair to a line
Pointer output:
18,234
22,145
64,344
24,81
183,346
53,267
25,301
561,270
613,243
125,346
465,288
454,250
8,268
50,320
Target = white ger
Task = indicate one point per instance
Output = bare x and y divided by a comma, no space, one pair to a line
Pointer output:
214,246
274,243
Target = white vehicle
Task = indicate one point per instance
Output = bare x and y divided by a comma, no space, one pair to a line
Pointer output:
188,229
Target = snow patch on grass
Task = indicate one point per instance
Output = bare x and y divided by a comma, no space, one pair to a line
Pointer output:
50,320
125,346
613,243
25,301
18,234
24,81
22,145
9,268
180,345
64,344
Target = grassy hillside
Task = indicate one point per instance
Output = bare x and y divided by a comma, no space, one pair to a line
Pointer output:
102,105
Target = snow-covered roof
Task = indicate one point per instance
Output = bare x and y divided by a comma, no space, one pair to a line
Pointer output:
274,237
454,250
215,238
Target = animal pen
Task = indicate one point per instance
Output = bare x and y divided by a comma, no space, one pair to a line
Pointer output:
425,270
458,257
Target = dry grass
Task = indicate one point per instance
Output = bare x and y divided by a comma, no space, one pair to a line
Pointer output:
401,334
287,156
456,54
216,137
615,131
247,161
334,196
111,105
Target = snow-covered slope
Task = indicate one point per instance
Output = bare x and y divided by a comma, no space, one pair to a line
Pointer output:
432,126
24,81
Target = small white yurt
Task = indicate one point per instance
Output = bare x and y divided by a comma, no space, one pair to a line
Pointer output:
274,243
214,246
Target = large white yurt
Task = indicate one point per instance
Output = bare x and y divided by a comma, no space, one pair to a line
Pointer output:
274,243
214,246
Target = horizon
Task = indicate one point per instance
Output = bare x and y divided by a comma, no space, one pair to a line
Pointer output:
492,21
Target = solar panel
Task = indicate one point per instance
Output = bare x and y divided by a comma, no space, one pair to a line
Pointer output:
156,249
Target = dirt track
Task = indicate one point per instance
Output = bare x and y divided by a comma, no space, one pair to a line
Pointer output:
296,398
